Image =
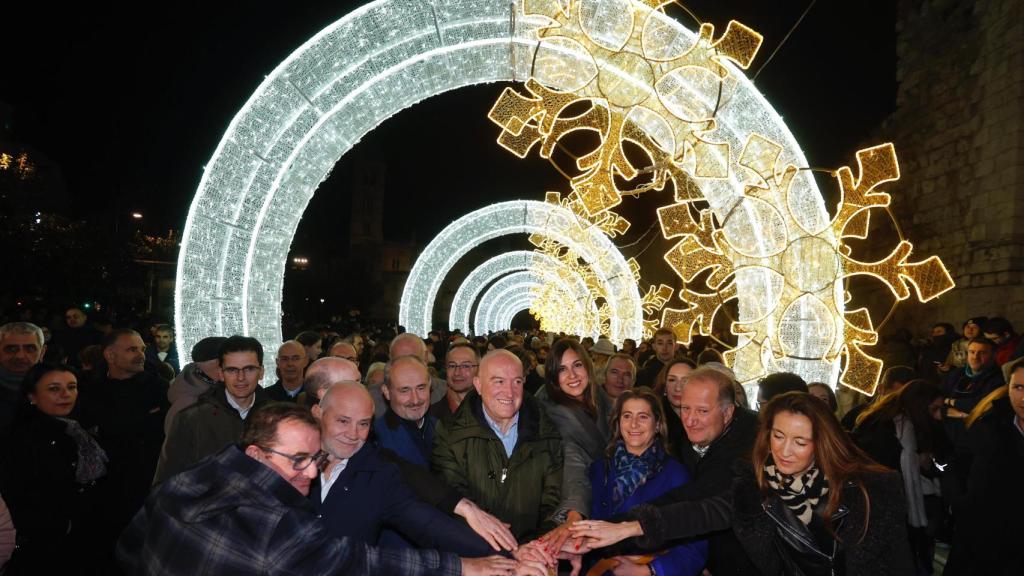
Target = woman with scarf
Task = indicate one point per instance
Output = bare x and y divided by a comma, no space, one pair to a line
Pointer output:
49,477
813,503
637,469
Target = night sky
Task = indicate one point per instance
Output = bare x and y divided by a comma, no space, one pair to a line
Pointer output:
131,100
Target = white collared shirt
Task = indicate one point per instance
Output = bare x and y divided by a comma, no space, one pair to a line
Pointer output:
327,481
243,412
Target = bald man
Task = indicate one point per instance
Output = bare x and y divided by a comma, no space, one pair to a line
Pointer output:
322,374
502,448
408,344
358,493
344,350
291,367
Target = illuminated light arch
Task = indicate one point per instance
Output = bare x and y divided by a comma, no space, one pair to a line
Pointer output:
508,313
515,288
522,217
469,291
322,99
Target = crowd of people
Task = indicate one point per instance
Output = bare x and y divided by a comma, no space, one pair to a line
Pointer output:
375,451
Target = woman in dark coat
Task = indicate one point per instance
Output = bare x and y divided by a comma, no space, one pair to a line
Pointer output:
990,525
669,387
813,503
49,478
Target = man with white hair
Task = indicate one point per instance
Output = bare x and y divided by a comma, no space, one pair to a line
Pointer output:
21,347
322,374
202,520
408,344
358,492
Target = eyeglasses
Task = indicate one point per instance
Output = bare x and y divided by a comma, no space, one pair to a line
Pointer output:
301,462
234,372
464,367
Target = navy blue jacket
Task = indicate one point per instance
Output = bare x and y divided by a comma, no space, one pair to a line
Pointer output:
403,439
370,493
681,559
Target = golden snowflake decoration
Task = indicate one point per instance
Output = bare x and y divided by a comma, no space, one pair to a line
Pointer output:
624,71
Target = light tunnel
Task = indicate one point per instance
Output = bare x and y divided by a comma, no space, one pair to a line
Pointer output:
353,75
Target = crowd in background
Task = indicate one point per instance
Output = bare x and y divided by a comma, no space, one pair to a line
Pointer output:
514,452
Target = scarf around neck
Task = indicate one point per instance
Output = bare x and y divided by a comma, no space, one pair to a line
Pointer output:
632,471
800,493
91,457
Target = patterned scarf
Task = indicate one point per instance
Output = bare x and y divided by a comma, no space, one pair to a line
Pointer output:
631,471
91,457
800,494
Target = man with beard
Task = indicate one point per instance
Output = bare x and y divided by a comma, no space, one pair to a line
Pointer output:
126,409
218,416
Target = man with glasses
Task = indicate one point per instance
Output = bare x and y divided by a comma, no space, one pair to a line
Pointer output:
461,364
359,492
218,416
207,519
291,366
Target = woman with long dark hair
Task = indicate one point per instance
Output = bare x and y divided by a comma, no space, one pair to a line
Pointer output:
49,479
813,502
637,468
903,431
668,386
571,399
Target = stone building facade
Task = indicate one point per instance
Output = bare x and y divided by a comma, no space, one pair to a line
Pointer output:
959,134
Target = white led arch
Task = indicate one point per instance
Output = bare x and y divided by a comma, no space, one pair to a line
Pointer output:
492,269
518,287
509,311
324,97
518,297
522,217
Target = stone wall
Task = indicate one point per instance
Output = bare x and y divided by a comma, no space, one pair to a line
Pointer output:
959,134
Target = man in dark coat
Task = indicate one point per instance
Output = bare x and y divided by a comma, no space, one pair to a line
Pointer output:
964,388
989,530
245,511
359,493
78,334
218,416
665,346
719,435
291,367
125,409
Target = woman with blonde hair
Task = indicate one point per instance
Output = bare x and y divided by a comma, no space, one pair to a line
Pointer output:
813,502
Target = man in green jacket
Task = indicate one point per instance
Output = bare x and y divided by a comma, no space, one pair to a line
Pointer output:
218,416
501,451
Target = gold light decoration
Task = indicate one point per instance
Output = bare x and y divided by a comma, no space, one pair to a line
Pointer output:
628,75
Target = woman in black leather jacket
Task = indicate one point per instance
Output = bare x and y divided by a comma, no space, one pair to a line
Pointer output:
813,503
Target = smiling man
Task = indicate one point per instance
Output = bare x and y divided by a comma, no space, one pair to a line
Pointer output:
359,493
218,416
205,519
502,450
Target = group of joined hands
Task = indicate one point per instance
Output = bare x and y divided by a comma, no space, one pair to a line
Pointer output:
569,541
